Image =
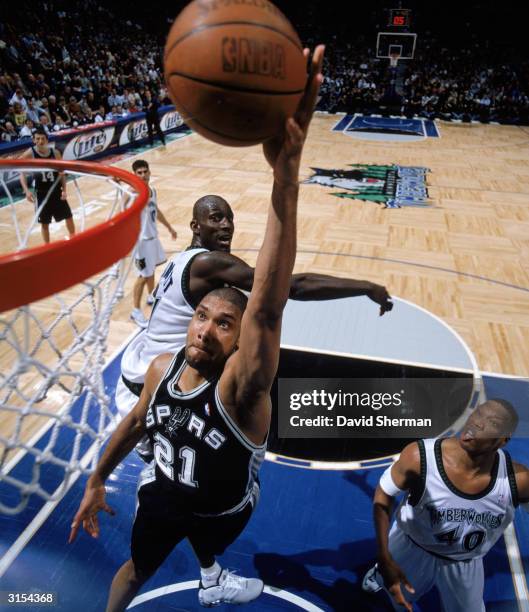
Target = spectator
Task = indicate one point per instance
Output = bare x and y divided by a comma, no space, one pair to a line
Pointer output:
32,112
8,132
45,124
43,108
27,129
18,98
19,115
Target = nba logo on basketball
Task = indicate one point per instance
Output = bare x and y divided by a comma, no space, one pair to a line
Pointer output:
253,56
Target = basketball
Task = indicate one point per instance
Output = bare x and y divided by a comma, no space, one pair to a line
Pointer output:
235,70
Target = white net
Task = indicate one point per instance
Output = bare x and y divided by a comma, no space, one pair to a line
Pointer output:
54,402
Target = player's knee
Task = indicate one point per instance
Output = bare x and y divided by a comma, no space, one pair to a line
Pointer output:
136,575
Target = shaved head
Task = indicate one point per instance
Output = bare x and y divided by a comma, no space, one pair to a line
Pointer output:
212,224
204,204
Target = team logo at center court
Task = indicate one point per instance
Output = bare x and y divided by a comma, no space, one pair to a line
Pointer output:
390,186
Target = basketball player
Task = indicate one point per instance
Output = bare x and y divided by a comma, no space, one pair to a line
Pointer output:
50,187
149,251
460,497
207,409
208,264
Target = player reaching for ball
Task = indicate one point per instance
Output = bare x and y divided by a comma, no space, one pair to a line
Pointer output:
207,409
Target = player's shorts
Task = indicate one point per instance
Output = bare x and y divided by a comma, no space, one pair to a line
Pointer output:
55,208
149,254
159,526
460,583
125,398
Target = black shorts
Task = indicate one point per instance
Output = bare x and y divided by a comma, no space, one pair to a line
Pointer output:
159,526
54,208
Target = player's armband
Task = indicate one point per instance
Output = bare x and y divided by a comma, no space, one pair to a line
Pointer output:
387,484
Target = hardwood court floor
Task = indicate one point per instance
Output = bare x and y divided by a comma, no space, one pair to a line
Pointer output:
464,258
473,239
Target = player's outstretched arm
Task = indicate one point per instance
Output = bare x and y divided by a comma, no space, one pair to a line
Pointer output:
128,433
210,269
400,477
311,286
249,373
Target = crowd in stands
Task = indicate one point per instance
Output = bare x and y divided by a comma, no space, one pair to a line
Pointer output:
65,64
464,84
476,82
65,69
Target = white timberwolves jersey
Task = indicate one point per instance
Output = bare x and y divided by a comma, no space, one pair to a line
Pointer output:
149,229
450,523
169,320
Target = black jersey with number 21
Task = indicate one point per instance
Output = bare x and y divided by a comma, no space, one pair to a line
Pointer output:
200,453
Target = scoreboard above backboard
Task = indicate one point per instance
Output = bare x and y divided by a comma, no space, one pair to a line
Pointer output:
399,18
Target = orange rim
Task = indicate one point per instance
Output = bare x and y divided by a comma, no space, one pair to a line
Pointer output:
33,274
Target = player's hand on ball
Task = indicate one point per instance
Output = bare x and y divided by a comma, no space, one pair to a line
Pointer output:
380,295
287,146
393,578
93,501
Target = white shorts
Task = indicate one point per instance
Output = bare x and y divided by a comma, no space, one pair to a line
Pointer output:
125,399
460,583
148,255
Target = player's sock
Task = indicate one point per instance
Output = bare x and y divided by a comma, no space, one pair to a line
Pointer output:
210,575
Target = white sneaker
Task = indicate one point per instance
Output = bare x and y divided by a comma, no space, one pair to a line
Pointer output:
370,583
232,589
150,299
139,318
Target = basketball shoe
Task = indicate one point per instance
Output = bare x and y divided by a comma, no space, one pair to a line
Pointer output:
231,589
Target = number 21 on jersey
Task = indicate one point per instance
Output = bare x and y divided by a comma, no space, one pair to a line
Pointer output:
164,457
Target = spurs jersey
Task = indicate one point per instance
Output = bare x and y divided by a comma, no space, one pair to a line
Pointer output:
46,179
200,453
450,523
149,229
169,320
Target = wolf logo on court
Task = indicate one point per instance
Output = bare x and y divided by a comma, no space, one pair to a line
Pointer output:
391,186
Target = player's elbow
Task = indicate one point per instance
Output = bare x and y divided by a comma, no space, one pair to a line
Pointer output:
382,500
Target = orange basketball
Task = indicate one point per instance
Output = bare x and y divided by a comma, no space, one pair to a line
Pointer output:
234,69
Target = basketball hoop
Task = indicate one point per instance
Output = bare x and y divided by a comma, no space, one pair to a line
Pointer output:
56,302
394,59
67,262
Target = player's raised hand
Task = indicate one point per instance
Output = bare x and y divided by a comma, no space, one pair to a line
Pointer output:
288,145
394,577
93,501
